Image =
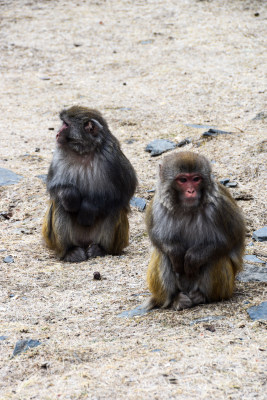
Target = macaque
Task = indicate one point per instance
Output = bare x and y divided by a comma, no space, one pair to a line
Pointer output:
198,234
90,182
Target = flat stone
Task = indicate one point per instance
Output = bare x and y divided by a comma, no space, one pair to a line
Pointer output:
184,142
138,202
252,273
225,181
8,177
9,259
43,177
137,311
207,319
159,146
231,184
199,126
258,312
215,132
260,235
24,345
253,258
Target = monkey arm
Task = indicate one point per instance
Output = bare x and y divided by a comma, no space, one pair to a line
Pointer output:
68,196
200,255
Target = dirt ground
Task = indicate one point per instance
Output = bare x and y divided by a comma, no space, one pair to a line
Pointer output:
151,68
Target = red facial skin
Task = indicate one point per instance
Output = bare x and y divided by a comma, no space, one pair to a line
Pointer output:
61,130
189,185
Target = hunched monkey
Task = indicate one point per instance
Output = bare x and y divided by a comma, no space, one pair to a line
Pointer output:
90,182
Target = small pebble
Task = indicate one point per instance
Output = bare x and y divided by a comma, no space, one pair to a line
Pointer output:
97,276
9,259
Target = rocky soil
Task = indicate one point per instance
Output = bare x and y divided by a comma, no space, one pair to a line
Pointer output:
153,69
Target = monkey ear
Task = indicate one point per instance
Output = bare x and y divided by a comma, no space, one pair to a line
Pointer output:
93,127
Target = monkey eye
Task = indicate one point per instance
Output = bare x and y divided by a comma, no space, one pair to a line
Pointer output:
182,180
196,179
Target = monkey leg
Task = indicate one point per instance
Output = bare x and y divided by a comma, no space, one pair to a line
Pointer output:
57,235
50,236
219,282
215,283
161,281
76,254
119,236
94,250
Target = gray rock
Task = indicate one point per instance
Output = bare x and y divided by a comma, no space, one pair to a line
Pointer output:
184,142
137,311
199,126
231,184
159,146
138,202
224,181
253,259
258,312
215,132
260,116
207,319
24,345
8,177
43,177
260,235
252,273
3,337
9,259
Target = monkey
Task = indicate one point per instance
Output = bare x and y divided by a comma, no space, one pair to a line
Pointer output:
90,182
197,232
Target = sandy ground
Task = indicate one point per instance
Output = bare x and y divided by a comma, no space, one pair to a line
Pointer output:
151,68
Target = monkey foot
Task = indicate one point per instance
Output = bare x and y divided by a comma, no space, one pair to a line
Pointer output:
182,302
94,250
77,254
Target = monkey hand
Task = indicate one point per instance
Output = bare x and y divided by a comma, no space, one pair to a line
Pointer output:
70,198
87,213
192,262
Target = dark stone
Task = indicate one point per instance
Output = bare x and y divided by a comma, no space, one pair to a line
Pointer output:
9,259
231,184
42,177
184,142
224,181
77,44
37,150
253,259
137,311
24,345
97,276
159,146
130,141
258,312
138,202
8,177
260,235
252,273
215,132
206,319
260,116
51,129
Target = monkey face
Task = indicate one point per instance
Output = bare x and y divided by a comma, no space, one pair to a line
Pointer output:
82,130
189,187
